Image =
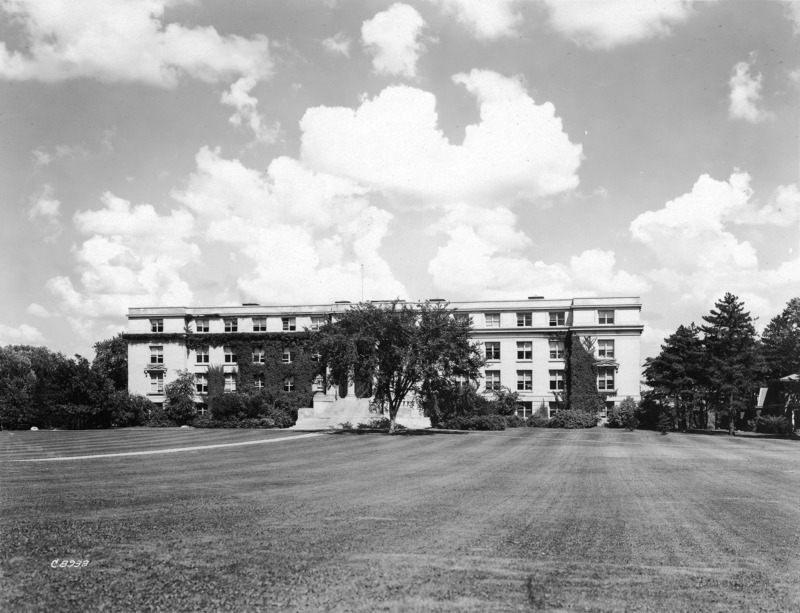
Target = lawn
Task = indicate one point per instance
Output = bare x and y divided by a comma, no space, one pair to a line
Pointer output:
525,519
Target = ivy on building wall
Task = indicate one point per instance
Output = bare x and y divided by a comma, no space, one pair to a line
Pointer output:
302,369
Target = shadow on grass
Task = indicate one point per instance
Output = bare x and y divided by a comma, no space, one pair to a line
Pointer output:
743,434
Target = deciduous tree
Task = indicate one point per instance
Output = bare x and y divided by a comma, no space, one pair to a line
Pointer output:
403,349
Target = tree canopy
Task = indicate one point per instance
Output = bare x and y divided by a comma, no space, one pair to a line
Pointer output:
781,342
111,361
401,348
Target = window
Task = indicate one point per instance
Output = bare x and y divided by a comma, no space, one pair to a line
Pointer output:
258,355
201,383
492,351
202,355
492,380
259,324
156,354
156,382
156,325
524,380
492,320
558,318
288,356
605,349
605,317
524,320
552,409
524,409
317,321
230,356
231,325
288,324
556,380
202,325
288,384
201,408
556,350
605,378
230,382
258,382
316,357
525,350
460,382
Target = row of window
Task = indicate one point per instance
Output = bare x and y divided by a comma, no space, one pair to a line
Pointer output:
203,356
605,349
525,320
605,380
201,382
288,324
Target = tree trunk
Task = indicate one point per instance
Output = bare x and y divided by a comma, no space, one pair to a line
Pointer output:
393,417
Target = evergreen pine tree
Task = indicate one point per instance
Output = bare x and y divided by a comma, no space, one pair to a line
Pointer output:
781,342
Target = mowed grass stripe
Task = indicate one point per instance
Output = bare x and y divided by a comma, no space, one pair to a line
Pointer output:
21,445
464,522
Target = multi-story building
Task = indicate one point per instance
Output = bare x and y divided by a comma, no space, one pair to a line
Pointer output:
523,342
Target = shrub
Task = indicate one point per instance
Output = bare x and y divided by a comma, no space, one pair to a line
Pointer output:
225,406
537,421
475,422
205,421
572,419
773,424
623,415
129,409
379,423
179,398
157,418
514,421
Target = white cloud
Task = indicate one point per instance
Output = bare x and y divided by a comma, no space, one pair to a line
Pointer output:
304,235
338,44
700,258
484,257
119,41
745,96
21,335
46,210
240,98
393,143
486,19
391,37
793,12
37,310
611,23
133,257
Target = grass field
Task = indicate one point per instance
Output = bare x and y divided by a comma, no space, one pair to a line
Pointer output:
525,519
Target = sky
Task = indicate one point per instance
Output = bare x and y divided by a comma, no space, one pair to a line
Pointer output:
210,153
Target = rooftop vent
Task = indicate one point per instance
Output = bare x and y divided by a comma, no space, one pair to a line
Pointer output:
342,302
250,304
436,300
535,297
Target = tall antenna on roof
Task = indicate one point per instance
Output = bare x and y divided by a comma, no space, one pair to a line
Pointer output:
362,283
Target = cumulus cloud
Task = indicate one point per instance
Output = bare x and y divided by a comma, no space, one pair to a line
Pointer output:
793,12
745,96
45,210
391,37
393,143
487,20
338,44
692,238
37,310
611,23
240,98
21,335
133,257
305,235
119,41
484,256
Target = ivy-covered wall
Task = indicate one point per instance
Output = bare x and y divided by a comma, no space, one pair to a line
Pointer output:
302,368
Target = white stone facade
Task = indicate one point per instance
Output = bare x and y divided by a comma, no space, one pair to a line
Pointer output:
517,336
